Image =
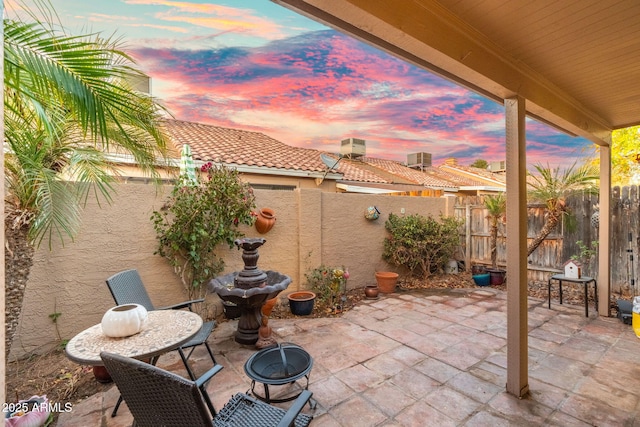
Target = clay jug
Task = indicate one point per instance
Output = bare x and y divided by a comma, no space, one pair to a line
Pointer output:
265,220
371,291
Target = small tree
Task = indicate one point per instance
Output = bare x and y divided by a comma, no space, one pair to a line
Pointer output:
480,163
587,253
196,219
553,187
496,206
421,244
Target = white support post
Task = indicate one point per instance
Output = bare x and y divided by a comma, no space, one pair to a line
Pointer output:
604,233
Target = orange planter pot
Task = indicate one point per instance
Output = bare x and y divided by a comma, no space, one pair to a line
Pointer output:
265,220
387,281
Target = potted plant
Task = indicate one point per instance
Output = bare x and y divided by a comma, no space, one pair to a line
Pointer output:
496,206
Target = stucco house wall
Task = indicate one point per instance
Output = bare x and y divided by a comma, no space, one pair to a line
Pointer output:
313,227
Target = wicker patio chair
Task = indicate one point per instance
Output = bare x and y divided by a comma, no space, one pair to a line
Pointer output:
127,288
157,397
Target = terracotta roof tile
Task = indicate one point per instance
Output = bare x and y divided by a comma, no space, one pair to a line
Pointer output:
240,147
475,175
428,178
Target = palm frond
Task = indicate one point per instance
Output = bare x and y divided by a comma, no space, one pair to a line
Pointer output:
69,101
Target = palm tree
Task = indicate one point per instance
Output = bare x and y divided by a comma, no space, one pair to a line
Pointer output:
69,101
552,187
496,206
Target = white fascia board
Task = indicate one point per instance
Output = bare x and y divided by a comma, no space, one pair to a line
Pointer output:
482,188
368,190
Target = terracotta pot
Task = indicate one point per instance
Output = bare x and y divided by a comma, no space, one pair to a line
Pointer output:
371,291
301,302
265,220
387,281
101,374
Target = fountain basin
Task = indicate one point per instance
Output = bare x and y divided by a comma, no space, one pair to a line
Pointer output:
250,301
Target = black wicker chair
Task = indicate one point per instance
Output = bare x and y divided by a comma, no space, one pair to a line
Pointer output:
127,288
157,397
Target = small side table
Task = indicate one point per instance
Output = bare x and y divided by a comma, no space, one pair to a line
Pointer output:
584,280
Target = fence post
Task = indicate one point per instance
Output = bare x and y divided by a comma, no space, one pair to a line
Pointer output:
467,241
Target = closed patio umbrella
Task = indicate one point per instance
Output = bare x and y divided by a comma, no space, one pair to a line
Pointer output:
187,168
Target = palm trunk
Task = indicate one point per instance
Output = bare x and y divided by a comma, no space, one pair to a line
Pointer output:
553,218
18,259
493,244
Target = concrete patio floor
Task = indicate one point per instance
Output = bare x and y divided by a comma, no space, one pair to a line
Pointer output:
435,358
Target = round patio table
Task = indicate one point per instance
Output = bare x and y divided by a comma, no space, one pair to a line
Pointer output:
165,330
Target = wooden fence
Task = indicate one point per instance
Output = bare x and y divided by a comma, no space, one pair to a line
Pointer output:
561,244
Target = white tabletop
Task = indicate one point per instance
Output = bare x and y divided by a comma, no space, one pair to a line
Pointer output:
164,330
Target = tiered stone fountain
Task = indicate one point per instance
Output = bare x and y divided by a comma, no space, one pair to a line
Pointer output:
249,289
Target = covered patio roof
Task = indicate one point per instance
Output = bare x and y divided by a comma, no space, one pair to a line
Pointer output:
574,65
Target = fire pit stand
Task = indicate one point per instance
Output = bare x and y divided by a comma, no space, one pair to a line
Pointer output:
279,365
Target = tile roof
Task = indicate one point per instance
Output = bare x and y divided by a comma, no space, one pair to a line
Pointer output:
354,170
429,178
476,175
240,147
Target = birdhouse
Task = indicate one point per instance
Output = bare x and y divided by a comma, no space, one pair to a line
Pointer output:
573,269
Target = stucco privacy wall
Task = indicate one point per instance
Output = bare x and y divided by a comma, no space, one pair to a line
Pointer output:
312,227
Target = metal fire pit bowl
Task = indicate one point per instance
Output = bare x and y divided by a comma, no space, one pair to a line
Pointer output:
283,364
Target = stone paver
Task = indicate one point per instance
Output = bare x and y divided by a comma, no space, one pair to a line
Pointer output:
412,359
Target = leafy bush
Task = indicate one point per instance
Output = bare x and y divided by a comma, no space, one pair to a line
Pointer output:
327,282
197,218
587,253
421,244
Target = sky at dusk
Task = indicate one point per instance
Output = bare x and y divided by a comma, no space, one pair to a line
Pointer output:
254,65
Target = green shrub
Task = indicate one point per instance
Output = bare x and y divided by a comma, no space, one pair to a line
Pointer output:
198,218
327,282
422,245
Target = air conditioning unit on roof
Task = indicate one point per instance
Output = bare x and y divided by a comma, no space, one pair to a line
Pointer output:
352,148
419,160
500,166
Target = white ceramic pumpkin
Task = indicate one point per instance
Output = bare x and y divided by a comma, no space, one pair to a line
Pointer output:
124,320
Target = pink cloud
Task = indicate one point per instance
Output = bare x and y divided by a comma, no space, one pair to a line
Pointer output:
316,89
